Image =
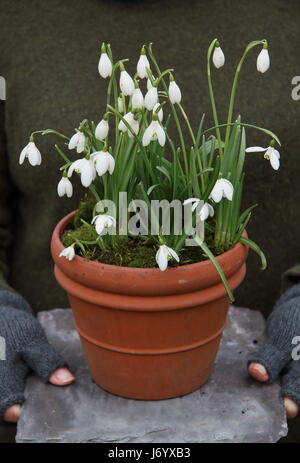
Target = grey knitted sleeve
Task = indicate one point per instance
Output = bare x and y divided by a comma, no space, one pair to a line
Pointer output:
282,326
23,347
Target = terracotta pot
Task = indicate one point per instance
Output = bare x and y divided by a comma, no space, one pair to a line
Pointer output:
148,334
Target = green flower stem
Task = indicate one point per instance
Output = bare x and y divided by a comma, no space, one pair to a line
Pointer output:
234,85
212,97
242,124
172,109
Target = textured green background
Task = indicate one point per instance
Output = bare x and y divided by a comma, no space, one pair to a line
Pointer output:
53,57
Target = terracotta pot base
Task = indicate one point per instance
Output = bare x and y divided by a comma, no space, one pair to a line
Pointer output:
148,334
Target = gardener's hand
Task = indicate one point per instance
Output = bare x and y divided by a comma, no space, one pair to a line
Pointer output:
283,326
24,347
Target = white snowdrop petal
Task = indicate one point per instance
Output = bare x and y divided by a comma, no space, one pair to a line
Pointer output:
162,258
263,61
102,163
80,142
161,136
227,189
68,188
111,164
217,192
255,149
126,83
276,152
173,254
34,155
204,212
142,64
174,92
274,161
102,130
87,173
61,188
218,57
147,136
105,66
151,98
73,141
137,101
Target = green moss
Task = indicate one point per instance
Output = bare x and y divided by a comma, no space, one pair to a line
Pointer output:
128,251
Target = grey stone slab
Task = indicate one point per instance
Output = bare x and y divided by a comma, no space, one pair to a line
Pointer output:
231,407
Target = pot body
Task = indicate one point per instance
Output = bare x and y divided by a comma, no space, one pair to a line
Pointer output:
148,334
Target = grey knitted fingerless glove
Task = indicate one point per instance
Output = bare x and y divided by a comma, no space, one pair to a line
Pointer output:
282,326
26,348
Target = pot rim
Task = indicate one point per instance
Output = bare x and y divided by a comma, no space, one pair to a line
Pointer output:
61,225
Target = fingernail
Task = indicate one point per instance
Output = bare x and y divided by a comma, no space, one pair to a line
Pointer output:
63,375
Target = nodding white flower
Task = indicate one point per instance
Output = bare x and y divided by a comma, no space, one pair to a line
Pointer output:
270,153
32,153
151,98
68,253
218,56
77,141
154,132
103,162
137,99
86,169
160,113
120,104
134,124
223,189
102,129
142,65
64,187
205,211
163,255
263,61
126,83
105,65
174,92
103,221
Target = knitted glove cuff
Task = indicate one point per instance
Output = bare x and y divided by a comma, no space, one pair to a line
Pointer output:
12,399
273,359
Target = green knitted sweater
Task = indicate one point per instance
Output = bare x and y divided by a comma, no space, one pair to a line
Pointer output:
49,55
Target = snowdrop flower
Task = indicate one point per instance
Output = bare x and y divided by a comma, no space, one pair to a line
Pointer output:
174,91
105,65
134,124
103,221
68,253
103,162
205,211
223,189
126,82
154,132
270,153
142,65
160,113
102,129
77,141
120,104
263,60
218,56
84,167
151,98
163,255
137,100
64,187
32,153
